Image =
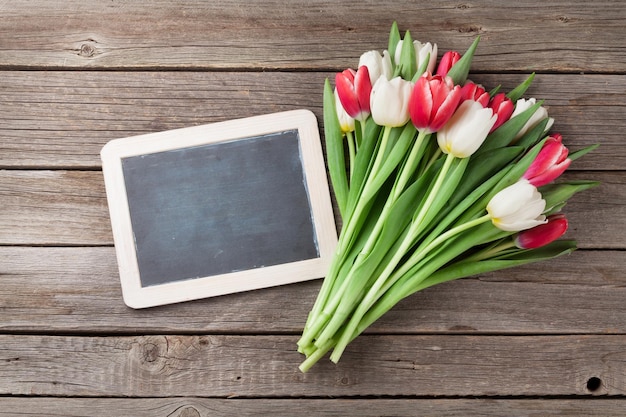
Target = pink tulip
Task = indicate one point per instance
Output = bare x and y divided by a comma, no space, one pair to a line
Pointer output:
471,91
551,162
503,107
447,61
543,234
433,101
354,89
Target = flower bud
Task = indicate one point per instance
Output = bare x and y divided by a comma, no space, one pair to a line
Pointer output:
466,130
543,234
502,106
447,61
354,88
550,162
539,115
433,102
346,123
390,101
376,64
472,91
517,207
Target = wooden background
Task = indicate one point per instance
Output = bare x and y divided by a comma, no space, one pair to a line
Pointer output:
544,339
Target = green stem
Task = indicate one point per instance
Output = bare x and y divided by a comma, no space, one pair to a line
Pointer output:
393,263
351,151
421,253
492,251
322,310
346,234
352,328
315,356
411,164
406,173
434,158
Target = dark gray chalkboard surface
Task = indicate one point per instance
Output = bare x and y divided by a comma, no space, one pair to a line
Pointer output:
219,208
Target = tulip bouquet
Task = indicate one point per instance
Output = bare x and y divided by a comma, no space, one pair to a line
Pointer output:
435,179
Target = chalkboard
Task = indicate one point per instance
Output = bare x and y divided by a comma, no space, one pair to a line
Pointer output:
219,208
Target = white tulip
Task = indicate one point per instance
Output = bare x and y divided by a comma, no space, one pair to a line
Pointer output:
376,64
466,130
517,207
540,114
389,102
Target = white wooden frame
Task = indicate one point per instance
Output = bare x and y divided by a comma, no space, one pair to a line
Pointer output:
112,154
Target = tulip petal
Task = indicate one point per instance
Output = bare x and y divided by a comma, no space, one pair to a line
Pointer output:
543,234
550,174
517,207
466,130
421,103
344,82
363,89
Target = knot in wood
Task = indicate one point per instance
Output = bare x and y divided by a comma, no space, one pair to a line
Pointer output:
150,352
87,50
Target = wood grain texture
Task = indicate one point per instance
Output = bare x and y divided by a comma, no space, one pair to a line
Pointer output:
206,407
62,119
253,366
305,34
77,290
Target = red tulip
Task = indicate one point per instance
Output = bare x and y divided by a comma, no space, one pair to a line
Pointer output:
433,101
543,234
503,107
471,91
354,89
447,61
551,162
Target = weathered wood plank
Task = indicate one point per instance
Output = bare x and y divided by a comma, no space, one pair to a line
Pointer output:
196,407
44,207
266,366
554,36
62,119
61,290
69,208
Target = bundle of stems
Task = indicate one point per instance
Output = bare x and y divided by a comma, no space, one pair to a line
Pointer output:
435,179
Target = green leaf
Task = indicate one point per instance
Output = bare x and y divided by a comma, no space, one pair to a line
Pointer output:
335,150
483,165
494,91
460,70
556,194
448,188
454,211
363,162
533,135
394,38
505,134
463,269
408,61
519,91
575,155
422,68
396,155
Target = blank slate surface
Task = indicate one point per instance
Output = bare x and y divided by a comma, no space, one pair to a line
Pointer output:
190,207
219,208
